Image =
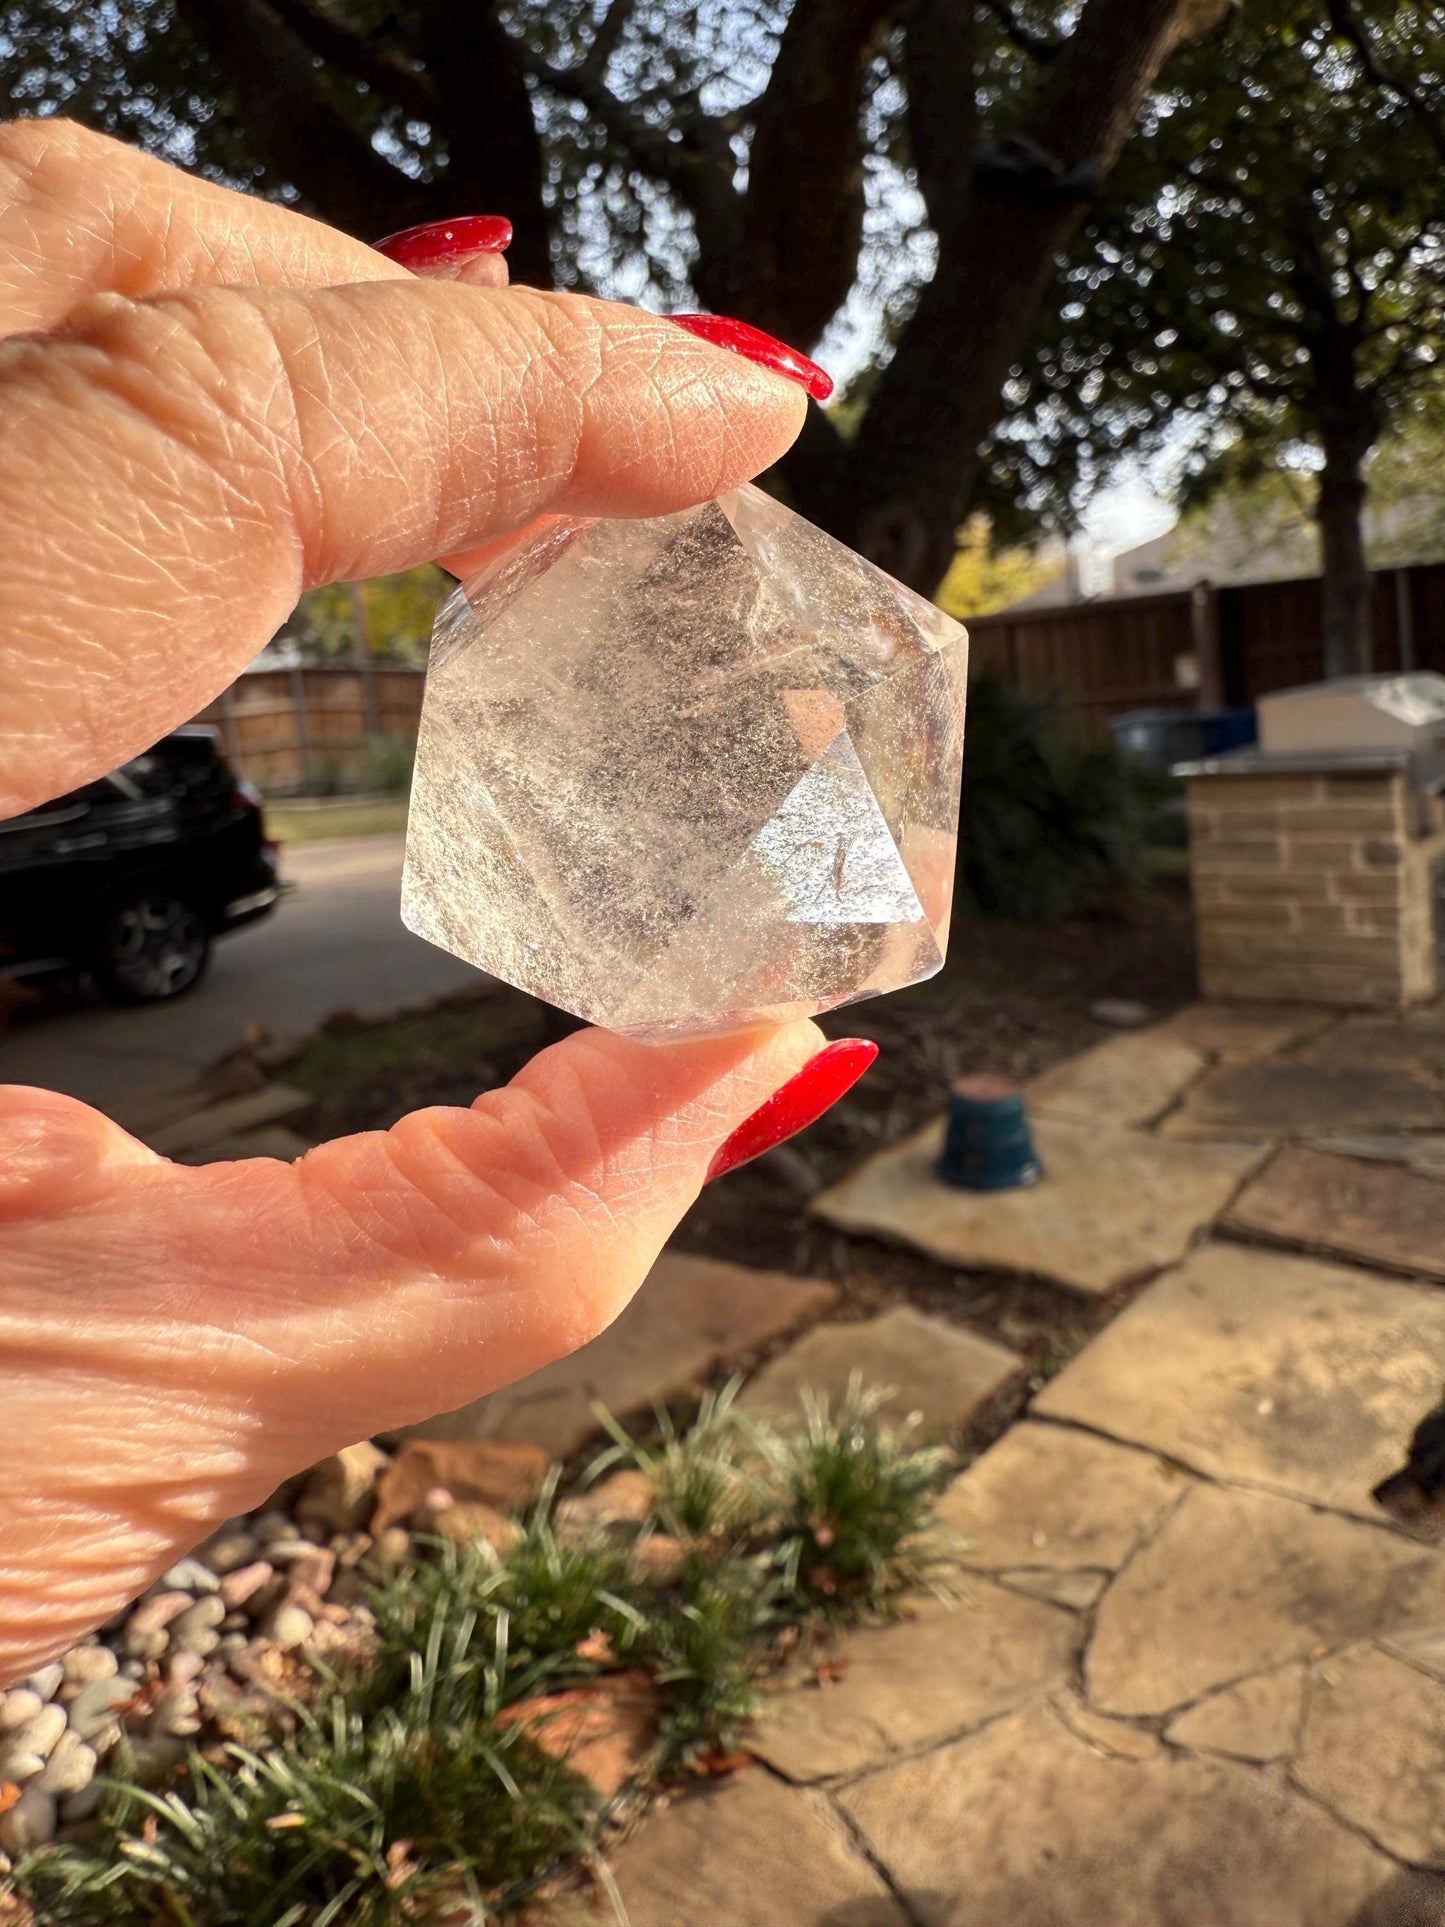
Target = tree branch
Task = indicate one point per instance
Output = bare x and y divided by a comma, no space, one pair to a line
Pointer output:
605,41
358,54
1430,117
1037,46
293,118
648,145
939,48
915,461
805,196
494,156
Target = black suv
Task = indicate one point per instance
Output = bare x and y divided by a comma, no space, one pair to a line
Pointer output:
131,877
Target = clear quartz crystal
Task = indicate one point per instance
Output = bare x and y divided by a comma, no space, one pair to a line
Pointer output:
689,774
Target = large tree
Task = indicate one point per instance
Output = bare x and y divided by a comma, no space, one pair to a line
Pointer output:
1268,268
918,164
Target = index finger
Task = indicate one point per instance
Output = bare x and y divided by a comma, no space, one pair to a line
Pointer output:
81,214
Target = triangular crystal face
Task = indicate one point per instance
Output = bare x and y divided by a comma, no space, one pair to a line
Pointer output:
829,852
687,773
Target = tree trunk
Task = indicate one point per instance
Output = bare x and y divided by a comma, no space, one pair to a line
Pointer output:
494,157
290,115
787,256
915,462
1346,591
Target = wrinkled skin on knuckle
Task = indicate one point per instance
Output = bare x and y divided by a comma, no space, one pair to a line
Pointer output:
190,534
56,1155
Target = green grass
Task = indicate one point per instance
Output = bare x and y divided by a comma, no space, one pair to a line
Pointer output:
338,1062
856,1501
386,816
405,1795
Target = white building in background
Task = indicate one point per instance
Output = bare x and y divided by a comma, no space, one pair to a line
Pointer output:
1226,548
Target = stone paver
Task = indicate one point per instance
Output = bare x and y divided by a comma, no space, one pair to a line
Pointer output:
935,1369
1259,1719
1382,1214
1027,1823
690,1317
1421,1647
1294,1099
1120,1738
1425,1150
1373,1749
1078,1590
1058,1500
752,1853
1126,1080
926,1679
215,1123
1239,1582
1375,1043
1241,1033
1112,1206
1276,1370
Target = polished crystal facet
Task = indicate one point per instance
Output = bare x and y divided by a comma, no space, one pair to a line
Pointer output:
689,774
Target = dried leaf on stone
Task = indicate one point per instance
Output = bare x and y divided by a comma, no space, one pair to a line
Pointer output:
601,1731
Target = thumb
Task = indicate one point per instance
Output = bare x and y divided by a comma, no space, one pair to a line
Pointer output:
175,1342
190,463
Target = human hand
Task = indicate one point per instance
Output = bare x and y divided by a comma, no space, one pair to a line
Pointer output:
207,405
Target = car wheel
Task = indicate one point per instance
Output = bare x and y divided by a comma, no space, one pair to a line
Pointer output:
152,944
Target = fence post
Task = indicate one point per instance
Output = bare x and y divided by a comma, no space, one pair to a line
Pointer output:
1204,634
228,726
361,655
303,731
1404,621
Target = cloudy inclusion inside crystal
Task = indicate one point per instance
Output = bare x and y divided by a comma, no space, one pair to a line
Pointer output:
689,774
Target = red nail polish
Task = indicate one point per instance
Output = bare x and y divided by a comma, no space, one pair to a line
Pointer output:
436,243
800,1102
766,350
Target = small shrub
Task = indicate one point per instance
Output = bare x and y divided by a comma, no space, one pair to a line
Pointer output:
389,762
538,1602
1050,819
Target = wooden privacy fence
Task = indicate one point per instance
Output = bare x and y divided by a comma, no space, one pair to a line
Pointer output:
300,731
1201,648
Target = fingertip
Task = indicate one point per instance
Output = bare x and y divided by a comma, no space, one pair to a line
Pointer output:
667,419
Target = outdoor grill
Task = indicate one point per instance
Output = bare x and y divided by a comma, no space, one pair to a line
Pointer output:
1317,856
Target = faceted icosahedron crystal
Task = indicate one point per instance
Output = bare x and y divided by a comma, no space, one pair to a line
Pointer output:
689,774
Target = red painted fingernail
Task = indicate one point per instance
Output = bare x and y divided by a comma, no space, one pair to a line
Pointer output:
766,350
437,243
800,1102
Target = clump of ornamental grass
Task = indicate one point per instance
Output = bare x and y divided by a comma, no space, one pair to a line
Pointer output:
423,1812
404,1795
703,1485
710,1653
854,1499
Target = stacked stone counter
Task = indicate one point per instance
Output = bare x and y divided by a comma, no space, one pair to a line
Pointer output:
1314,877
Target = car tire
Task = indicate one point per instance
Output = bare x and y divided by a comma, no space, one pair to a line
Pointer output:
151,943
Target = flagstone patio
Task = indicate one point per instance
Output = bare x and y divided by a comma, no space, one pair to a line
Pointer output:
1190,1674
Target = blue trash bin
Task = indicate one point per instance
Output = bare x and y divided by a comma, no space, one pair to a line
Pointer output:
1163,737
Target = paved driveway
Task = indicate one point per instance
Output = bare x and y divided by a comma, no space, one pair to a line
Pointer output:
336,943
